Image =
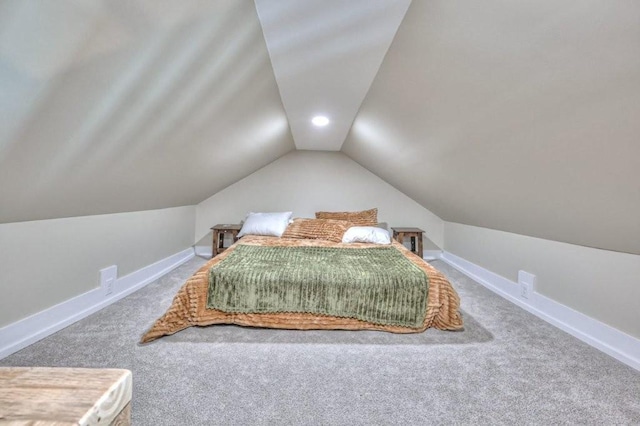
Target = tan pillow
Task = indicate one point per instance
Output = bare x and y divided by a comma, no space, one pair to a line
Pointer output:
363,218
317,229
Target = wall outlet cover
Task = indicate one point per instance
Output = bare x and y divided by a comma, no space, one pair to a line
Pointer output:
108,277
527,282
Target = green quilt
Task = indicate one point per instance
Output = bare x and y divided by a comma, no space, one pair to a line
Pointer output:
378,285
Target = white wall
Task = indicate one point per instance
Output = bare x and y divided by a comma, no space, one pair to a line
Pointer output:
308,181
601,284
46,262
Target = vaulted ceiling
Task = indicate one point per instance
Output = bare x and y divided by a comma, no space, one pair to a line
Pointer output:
517,116
325,55
118,105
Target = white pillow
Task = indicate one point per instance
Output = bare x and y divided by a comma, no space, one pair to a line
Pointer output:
265,224
366,234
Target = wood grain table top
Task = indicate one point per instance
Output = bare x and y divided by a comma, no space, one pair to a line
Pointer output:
227,227
63,396
406,230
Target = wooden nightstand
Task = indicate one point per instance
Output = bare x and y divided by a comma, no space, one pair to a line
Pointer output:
219,230
413,233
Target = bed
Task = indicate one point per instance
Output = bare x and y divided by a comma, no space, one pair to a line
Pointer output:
192,305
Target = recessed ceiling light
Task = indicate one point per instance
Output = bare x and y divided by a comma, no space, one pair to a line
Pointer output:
320,120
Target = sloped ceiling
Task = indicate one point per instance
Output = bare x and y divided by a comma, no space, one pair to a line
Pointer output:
123,105
325,54
517,116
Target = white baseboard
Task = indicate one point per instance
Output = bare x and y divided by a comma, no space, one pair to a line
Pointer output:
431,254
609,340
203,251
20,334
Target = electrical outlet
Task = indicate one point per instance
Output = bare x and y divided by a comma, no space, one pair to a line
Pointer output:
527,283
109,286
108,278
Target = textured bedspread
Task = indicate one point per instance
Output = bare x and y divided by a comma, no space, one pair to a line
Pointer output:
189,306
378,285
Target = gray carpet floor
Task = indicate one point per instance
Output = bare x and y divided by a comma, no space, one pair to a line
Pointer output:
506,367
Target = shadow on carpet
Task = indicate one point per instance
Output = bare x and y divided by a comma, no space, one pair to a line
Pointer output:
473,333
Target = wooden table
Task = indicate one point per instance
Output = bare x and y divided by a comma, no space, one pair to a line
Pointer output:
413,233
219,230
65,396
